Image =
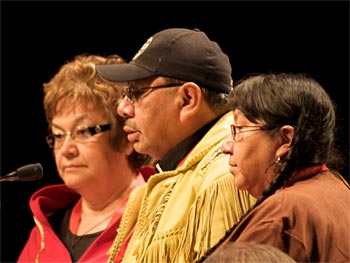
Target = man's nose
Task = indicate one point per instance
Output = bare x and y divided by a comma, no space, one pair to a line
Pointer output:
125,108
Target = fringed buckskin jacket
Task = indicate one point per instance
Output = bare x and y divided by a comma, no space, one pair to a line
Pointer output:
44,244
186,211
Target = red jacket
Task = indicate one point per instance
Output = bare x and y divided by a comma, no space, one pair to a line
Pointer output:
44,245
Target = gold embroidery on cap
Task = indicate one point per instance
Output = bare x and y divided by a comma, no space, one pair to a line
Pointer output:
143,48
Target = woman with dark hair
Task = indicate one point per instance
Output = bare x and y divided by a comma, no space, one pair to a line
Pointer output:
282,150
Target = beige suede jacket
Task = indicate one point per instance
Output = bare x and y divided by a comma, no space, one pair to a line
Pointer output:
185,212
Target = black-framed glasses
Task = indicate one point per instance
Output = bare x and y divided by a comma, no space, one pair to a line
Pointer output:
80,134
236,131
134,94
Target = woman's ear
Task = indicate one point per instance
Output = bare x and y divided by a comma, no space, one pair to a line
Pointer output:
191,99
287,134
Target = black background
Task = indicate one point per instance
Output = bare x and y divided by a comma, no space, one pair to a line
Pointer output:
38,37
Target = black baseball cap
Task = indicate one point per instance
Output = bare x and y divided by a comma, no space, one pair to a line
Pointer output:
179,53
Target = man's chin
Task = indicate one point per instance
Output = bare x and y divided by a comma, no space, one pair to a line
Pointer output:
138,147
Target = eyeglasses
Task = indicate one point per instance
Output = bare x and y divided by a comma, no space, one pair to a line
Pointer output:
81,134
134,94
236,131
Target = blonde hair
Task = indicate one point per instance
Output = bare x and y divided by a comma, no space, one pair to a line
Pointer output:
77,84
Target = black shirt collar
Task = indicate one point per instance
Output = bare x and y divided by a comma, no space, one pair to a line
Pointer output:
175,156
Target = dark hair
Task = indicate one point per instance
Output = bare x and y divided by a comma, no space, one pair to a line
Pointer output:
297,100
289,99
217,100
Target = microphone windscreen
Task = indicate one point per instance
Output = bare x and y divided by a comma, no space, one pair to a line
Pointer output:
30,172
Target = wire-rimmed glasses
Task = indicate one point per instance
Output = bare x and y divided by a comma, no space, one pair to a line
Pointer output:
236,131
134,94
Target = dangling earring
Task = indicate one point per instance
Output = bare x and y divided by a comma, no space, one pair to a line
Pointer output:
278,165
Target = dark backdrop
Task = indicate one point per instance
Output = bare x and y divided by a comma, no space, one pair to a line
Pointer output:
38,37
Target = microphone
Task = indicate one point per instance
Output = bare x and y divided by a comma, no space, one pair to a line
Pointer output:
30,172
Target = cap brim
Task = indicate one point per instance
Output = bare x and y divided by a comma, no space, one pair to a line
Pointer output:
123,72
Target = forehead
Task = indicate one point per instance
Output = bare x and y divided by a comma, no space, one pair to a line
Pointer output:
238,115
143,82
240,119
77,115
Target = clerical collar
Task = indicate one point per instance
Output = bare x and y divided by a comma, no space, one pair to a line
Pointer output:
172,159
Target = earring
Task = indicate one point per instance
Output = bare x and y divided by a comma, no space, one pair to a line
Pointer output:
276,168
278,165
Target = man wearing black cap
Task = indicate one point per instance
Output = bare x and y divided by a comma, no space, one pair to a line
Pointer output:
176,110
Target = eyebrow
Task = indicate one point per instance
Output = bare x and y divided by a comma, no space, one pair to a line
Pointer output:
75,123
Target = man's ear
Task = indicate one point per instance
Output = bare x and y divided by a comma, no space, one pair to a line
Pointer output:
287,135
190,99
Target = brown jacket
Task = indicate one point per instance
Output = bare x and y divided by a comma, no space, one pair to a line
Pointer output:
309,220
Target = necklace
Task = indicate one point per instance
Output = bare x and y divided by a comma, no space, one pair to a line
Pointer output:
76,239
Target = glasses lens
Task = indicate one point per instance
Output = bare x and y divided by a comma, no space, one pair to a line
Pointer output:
136,93
50,139
129,93
82,134
233,132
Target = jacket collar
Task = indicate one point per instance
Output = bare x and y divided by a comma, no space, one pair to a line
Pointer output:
173,158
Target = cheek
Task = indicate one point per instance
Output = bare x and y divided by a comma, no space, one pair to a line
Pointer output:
58,160
252,160
144,119
154,122
249,160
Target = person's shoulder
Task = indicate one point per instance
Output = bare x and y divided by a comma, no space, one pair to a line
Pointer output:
311,194
318,186
225,120
215,161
